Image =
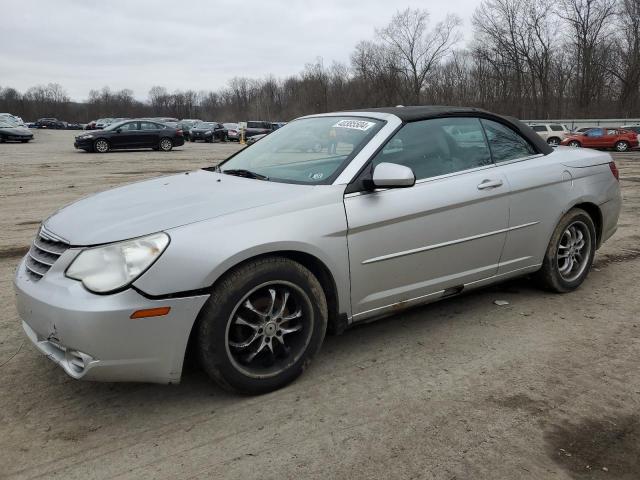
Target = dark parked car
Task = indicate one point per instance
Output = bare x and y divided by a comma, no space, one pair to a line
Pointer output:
12,133
208,131
257,128
74,126
186,125
50,123
131,134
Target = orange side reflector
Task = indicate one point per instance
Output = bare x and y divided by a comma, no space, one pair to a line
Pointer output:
150,312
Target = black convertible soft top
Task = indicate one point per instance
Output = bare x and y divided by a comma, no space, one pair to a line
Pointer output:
416,113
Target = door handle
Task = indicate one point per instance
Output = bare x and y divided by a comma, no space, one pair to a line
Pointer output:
485,184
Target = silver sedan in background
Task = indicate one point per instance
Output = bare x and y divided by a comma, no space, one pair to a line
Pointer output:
331,220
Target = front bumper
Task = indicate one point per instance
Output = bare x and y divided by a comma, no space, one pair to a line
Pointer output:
85,143
200,136
92,336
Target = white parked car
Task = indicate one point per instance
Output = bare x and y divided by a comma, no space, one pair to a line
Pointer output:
552,133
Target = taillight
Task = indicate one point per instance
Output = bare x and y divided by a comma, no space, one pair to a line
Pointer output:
614,170
179,133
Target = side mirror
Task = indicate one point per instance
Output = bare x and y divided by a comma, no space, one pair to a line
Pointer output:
392,175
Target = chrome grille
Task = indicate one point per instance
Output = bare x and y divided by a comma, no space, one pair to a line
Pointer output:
44,252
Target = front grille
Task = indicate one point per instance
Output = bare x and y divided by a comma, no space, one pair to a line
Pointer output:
44,252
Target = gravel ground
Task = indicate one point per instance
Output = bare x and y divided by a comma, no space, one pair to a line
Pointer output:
544,387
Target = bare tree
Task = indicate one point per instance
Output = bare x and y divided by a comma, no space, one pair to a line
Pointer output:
418,48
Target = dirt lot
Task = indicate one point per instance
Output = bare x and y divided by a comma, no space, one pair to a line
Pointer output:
545,387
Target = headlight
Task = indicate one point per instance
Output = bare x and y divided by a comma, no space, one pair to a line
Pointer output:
208,132
88,135
114,266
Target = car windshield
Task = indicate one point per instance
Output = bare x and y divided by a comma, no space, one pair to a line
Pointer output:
4,124
205,125
309,150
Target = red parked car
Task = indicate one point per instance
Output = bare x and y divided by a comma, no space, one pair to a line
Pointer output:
601,137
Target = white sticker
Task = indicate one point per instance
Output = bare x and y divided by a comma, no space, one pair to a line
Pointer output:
354,124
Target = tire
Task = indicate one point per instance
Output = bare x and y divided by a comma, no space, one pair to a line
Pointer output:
24,141
574,144
553,141
622,146
165,144
252,354
101,146
578,227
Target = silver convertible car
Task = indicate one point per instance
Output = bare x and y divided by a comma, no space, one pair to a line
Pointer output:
331,220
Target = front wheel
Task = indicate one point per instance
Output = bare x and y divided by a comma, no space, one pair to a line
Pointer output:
574,144
622,146
570,252
262,325
553,141
101,146
165,144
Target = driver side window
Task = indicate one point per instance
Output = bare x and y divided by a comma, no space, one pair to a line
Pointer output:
437,147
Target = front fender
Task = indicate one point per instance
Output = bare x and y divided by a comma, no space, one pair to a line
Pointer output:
200,253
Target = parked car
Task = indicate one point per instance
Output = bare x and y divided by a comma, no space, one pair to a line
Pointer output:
552,133
14,119
277,125
186,125
10,132
600,137
52,123
74,126
91,125
250,262
632,128
233,131
255,138
208,132
257,128
582,129
103,123
131,134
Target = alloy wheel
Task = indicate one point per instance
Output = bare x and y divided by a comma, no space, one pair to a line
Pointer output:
622,146
574,144
269,329
102,146
165,144
574,251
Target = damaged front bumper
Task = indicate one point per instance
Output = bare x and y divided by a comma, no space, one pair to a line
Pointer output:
93,337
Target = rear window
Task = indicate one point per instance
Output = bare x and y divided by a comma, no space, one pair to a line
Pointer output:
266,125
556,128
539,128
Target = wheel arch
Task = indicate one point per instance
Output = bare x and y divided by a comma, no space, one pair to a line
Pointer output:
596,215
337,321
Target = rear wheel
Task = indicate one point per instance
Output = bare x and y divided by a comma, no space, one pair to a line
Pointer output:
553,141
101,146
574,144
262,325
165,144
622,146
570,252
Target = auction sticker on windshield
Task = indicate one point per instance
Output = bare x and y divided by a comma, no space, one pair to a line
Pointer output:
354,124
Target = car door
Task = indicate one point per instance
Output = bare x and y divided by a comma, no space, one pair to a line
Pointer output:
408,245
536,196
594,138
150,134
125,136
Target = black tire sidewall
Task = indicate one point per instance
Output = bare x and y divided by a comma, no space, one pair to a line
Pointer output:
216,314
549,273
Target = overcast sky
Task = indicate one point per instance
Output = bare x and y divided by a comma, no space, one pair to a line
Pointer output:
194,44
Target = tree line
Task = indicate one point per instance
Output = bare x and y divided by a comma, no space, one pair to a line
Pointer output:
526,58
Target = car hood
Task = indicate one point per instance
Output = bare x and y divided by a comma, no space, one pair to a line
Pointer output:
163,203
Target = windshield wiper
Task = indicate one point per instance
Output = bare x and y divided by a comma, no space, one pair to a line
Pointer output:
241,172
